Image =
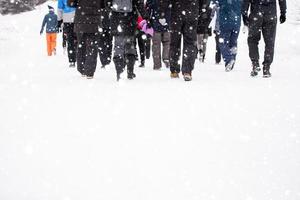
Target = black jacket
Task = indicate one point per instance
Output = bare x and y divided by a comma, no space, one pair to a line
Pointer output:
204,18
126,23
159,9
87,16
187,8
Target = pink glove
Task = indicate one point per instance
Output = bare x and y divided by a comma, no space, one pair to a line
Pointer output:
148,31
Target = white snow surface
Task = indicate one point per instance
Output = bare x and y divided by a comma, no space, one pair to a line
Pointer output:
223,136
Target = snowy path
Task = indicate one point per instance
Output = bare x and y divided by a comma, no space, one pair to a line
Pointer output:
223,136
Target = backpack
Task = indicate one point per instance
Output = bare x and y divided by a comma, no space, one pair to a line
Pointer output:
122,6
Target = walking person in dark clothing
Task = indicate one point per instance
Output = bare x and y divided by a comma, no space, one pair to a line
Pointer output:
66,18
262,20
230,23
87,24
160,17
124,23
105,38
184,21
203,30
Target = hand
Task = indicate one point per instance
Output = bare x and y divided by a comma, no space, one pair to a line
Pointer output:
282,18
246,20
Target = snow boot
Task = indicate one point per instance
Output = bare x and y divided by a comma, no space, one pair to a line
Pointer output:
131,75
187,76
266,72
255,69
229,66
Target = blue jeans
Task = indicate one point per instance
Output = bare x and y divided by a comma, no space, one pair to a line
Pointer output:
228,42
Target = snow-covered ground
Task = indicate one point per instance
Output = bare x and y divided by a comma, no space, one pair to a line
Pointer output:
223,136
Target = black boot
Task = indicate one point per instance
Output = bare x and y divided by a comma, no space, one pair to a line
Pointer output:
255,69
266,72
120,65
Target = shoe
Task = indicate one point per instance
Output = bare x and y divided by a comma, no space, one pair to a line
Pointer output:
157,68
187,76
266,72
174,75
255,69
72,64
229,66
103,66
89,77
131,75
142,65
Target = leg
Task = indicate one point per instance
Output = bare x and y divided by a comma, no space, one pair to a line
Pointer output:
48,38
119,52
254,35
189,45
130,53
175,43
269,35
81,52
156,50
205,39
224,44
148,47
71,41
166,46
233,41
218,51
91,54
142,46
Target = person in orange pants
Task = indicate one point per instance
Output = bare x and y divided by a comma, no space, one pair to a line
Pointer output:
50,21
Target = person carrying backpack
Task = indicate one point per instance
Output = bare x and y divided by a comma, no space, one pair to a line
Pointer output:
50,21
87,24
66,18
124,23
160,17
262,19
184,21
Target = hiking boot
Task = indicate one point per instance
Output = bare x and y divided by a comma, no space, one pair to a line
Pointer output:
187,76
174,75
266,72
255,69
229,66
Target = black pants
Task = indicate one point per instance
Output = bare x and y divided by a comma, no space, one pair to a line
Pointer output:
144,45
264,23
105,46
87,53
186,26
64,40
71,40
218,50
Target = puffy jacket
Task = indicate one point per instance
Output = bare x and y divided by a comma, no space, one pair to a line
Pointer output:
50,21
159,10
87,15
65,12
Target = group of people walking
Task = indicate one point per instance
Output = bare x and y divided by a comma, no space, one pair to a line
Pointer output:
91,26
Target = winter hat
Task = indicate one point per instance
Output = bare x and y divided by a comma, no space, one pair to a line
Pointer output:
50,8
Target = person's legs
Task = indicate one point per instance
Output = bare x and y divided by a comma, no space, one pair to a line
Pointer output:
166,48
233,41
130,54
225,35
254,36
175,43
71,41
119,54
142,46
156,49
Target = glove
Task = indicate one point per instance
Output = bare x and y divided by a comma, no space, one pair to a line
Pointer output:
282,18
246,20
162,21
146,28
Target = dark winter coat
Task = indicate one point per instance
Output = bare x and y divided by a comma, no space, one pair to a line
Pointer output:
188,8
264,5
205,18
126,23
230,13
159,9
87,15
50,21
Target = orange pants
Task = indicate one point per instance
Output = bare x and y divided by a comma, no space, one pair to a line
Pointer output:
51,43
